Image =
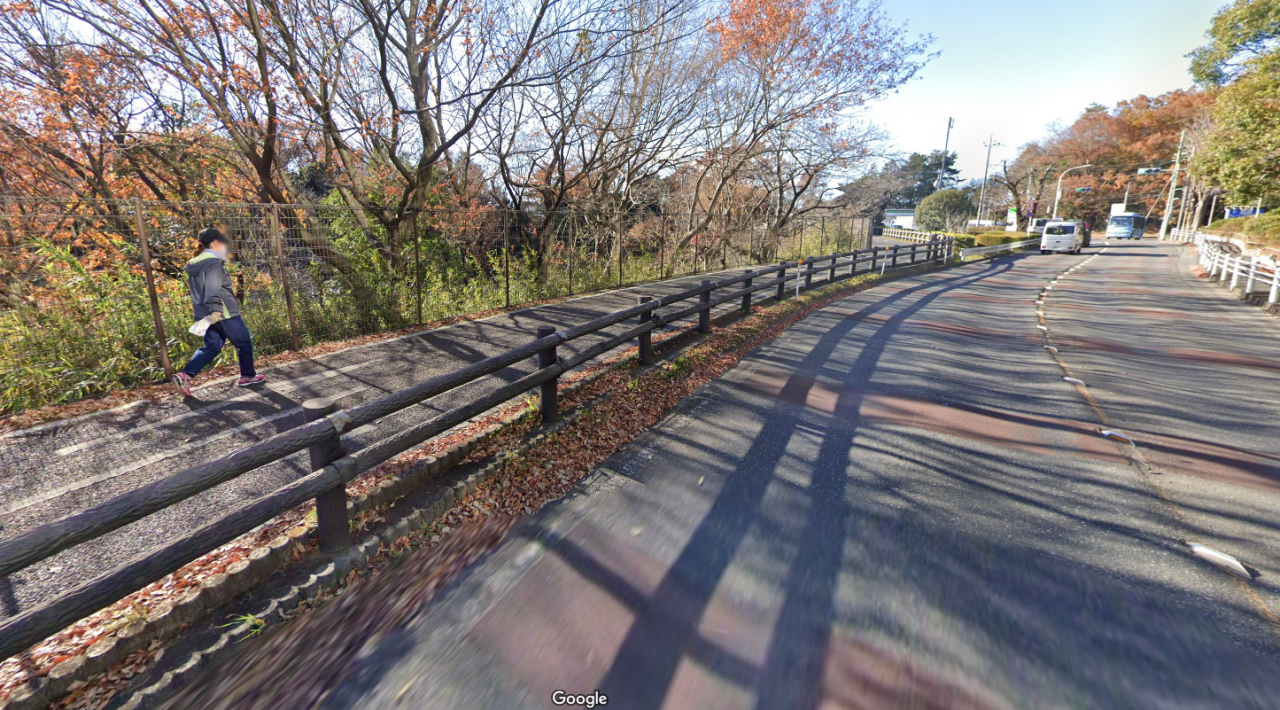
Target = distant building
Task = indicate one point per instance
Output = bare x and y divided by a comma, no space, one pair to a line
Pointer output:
906,219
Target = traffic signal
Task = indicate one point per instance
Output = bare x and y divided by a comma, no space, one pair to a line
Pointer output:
1150,171
1084,189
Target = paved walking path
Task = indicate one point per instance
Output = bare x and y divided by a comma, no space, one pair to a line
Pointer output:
901,503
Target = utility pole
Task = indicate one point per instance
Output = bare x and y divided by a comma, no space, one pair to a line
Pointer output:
1187,192
982,195
1173,187
946,145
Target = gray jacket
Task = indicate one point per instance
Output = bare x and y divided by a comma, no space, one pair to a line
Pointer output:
210,287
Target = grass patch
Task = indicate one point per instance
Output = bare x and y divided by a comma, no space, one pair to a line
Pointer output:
1263,230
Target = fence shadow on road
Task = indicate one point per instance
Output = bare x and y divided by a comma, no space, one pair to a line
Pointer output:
1131,630
665,627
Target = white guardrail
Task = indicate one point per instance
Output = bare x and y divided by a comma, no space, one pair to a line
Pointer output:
915,235
908,235
1247,274
997,248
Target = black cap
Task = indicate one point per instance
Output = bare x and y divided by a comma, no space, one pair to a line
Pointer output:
211,235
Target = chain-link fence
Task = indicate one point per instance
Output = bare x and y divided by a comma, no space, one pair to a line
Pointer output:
93,296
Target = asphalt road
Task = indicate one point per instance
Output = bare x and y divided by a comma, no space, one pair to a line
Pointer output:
53,470
901,503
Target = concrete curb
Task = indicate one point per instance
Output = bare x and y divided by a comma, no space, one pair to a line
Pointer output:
1257,298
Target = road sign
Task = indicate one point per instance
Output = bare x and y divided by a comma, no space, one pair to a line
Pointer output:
1150,171
1084,189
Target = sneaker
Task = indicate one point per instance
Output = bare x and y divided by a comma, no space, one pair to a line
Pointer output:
251,381
183,382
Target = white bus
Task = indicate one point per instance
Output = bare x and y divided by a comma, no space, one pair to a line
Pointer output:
1126,225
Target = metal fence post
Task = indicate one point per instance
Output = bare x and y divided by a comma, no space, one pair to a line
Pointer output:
645,345
284,278
573,247
746,297
704,315
417,272
331,506
506,256
662,248
161,341
782,282
549,404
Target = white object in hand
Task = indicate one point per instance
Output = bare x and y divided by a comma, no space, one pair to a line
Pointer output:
199,328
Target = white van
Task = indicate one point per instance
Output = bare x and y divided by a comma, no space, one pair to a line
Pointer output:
1063,235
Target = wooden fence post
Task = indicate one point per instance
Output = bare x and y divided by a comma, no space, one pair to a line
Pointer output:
704,316
161,341
331,506
284,275
549,395
645,344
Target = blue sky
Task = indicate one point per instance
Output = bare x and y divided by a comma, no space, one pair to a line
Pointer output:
1013,67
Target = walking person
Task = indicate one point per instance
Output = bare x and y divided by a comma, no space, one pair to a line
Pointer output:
212,300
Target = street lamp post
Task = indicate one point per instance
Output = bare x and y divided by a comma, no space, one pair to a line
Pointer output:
1058,197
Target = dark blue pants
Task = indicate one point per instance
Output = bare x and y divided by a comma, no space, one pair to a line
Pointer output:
215,338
